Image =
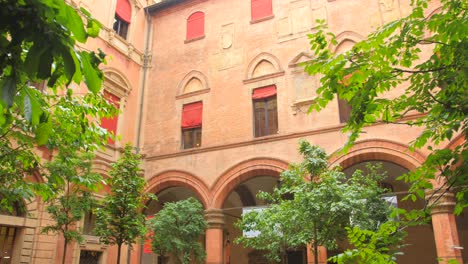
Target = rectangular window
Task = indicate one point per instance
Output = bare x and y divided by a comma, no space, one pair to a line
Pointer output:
261,9
191,138
120,27
344,109
89,223
265,111
192,125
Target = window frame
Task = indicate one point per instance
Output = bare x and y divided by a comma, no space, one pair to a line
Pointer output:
193,132
120,27
344,110
266,125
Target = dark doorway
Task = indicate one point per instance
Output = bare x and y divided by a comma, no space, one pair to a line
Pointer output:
90,257
296,257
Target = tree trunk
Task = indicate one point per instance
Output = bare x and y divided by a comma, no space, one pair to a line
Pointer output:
315,245
119,249
65,244
162,259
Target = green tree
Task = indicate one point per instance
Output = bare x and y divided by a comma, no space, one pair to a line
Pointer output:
38,45
119,220
426,55
71,180
177,230
378,246
316,210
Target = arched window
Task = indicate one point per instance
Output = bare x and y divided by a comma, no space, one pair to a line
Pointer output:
123,16
196,25
261,9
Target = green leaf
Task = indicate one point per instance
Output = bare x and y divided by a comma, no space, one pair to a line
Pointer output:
92,78
27,108
93,28
2,116
45,65
31,63
72,20
69,64
8,91
43,132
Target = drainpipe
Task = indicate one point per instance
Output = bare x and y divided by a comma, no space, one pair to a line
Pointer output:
146,57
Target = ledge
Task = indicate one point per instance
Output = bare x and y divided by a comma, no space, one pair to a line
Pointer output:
259,140
262,19
192,93
265,139
194,39
121,45
264,77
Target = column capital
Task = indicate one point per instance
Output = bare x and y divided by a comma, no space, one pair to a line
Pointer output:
215,218
440,201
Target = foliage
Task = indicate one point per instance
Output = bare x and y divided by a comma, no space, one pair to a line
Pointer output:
71,180
177,230
372,246
424,59
38,43
119,220
316,210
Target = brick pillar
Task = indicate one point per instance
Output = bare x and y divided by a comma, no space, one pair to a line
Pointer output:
214,236
444,225
322,254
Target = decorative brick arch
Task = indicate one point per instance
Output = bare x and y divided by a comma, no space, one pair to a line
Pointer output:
241,172
378,149
192,75
457,141
176,178
345,36
264,56
116,82
102,167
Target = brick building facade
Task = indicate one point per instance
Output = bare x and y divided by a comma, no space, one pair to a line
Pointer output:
214,95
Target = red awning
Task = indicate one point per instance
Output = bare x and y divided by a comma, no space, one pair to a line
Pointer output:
264,92
124,10
192,115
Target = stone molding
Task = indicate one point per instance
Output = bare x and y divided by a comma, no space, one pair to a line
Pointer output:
215,218
440,201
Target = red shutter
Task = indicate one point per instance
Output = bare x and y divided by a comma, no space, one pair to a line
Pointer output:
124,10
110,123
261,9
192,115
196,25
147,246
264,92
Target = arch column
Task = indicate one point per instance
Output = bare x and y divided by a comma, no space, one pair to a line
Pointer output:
214,236
444,225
